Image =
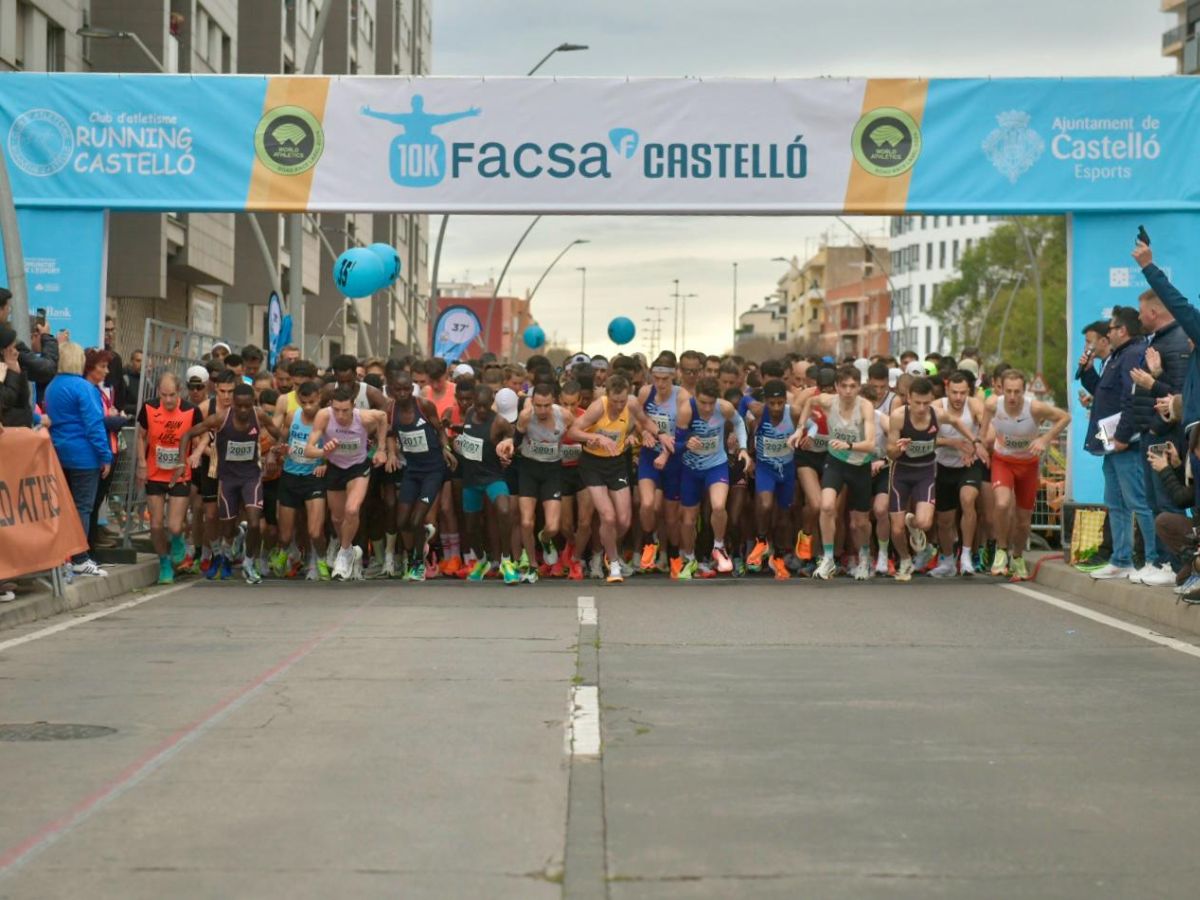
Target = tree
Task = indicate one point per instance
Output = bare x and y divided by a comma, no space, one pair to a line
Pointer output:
992,304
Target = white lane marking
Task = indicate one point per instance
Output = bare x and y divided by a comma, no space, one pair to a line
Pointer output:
585,720
1173,643
587,611
90,617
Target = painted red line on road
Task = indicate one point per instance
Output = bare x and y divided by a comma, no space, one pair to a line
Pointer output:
134,773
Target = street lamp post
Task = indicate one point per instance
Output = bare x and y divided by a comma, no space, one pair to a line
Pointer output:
582,302
92,31
683,299
437,251
733,344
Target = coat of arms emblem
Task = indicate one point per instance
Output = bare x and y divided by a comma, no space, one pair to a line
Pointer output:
1014,147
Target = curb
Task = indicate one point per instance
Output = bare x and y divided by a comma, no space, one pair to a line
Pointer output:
1157,604
42,604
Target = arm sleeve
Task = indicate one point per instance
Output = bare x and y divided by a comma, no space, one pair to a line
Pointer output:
1090,379
145,422
1185,314
92,415
1180,493
739,431
1127,425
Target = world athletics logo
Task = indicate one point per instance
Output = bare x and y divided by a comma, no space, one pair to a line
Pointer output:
418,156
40,142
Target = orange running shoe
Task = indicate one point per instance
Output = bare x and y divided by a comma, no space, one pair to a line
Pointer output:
755,560
450,567
676,566
804,548
778,567
649,555
576,571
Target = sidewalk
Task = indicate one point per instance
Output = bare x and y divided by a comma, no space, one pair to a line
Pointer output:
40,603
1158,604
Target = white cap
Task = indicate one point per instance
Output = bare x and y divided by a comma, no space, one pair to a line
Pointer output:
197,372
506,404
893,376
917,368
862,364
228,349
463,369
577,359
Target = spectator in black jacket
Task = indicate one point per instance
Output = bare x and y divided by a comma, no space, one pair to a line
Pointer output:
115,380
1160,373
1174,528
39,364
15,408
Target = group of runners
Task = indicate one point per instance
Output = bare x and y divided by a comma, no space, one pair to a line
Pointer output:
693,467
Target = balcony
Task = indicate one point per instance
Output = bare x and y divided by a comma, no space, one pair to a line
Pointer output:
1172,41
1169,5
1191,56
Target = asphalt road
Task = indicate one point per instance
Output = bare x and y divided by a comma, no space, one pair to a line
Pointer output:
758,740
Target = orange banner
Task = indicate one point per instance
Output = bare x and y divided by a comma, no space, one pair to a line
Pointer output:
39,525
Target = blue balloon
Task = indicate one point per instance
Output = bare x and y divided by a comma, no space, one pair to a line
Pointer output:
359,273
534,337
390,258
621,330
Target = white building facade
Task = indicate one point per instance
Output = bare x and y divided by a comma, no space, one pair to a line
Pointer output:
925,254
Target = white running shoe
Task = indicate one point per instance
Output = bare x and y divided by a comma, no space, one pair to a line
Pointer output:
881,564
905,570
88,567
1158,576
596,569
341,568
862,571
312,574
944,569
332,552
1111,572
965,566
389,565
430,534
916,537
626,569
356,566
825,568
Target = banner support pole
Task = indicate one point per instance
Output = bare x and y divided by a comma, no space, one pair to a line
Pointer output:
14,257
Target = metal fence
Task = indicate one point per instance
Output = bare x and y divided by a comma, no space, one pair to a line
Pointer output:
1048,510
166,347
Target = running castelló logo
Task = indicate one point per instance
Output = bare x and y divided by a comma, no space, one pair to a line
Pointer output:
418,156
1014,147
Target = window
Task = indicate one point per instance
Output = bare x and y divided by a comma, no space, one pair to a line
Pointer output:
936,221
955,253
941,254
929,340
929,255
923,223
24,20
922,298
56,48
970,241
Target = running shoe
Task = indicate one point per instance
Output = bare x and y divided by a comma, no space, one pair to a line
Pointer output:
916,537
739,567
804,546
1000,563
530,576
188,565
596,568
479,570
862,571
279,562
205,565
1193,581
178,551
166,571
825,568
430,534
452,566
250,573
389,564
239,542
881,565
649,555
323,571
312,574
341,569
575,571
688,570
626,568
523,563
615,575
417,572
356,566
944,569
509,571
721,558
676,566
905,571
549,551
375,569
966,565
213,569
754,562
778,567
705,570
925,560
332,552
226,568
1020,571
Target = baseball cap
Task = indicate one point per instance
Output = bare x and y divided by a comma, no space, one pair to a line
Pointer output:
894,376
774,388
506,404
969,365
578,359
916,368
931,368
463,369
826,377
197,374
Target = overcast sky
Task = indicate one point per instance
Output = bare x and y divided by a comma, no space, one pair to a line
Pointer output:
631,261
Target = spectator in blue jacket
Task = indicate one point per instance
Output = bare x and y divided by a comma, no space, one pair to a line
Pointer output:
1124,486
80,439
1188,318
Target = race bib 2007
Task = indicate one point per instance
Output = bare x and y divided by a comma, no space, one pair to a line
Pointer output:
469,447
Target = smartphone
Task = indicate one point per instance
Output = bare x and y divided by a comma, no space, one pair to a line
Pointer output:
36,320
1142,236
1157,449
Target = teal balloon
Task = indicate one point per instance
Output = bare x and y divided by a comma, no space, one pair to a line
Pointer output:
390,258
534,337
359,273
621,330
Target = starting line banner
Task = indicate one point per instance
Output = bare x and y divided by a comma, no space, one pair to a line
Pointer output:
600,145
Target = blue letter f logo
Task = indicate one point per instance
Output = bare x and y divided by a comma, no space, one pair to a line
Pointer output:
624,141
